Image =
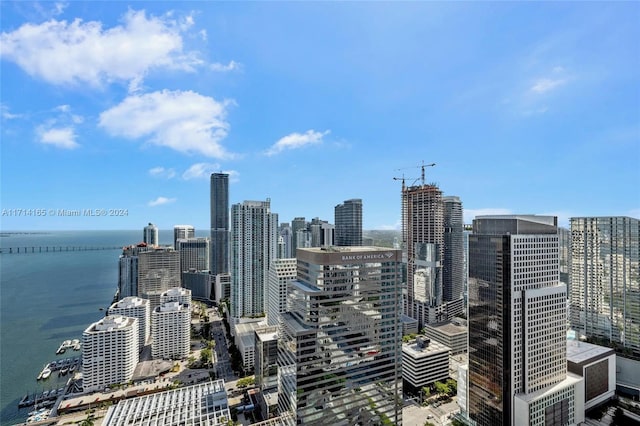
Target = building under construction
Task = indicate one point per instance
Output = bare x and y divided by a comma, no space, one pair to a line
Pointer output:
432,238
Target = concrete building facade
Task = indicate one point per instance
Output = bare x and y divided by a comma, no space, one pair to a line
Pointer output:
109,352
135,307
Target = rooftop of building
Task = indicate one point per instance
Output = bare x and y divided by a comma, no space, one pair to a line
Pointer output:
176,291
413,348
248,328
130,302
267,334
111,322
345,249
204,403
448,328
407,319
582,352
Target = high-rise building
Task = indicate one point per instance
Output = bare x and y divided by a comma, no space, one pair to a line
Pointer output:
171,331
339,347
287,238
158,271
109,352
135,307
423,238
128,270
453,260
280,273
348,223
564,245
194,253
182,232
297,224
605,285
517,325
322,233
150,235
254,236
219,249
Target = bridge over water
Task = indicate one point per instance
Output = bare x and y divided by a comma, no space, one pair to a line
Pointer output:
53,249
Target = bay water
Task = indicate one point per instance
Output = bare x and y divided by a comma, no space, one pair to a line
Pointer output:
46,298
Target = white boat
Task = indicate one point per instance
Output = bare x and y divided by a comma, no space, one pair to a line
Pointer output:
66,343
46,373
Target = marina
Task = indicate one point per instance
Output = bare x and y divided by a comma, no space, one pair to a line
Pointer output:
69,344
62,366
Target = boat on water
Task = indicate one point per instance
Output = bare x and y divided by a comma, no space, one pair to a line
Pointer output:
46,373
64,370
60,350
73,367
66,343
75,341
77,347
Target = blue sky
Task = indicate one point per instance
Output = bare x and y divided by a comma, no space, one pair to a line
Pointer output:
525,107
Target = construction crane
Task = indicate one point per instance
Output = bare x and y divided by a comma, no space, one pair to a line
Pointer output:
422,174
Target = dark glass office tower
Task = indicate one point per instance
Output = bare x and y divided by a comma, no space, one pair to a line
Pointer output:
219,262
453,261
348,221
517,324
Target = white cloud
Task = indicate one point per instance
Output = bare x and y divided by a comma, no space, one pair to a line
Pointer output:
160,201
64,137
77,119
200,171
59,7
78,52
161,172
184,121
231,66
63,108
4,110
297,140
470,214
544,85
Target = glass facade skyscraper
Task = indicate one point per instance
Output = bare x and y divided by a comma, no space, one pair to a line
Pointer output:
339,351
453,261
348,223
605,282
517,324
219,248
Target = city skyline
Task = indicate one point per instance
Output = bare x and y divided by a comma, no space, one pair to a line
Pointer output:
285,96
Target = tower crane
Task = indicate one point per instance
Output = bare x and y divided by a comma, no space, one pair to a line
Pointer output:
422,174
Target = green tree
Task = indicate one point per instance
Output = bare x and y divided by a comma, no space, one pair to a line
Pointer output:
442,388
453,386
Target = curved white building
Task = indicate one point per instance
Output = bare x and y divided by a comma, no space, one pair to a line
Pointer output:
171,331
135,307
109,351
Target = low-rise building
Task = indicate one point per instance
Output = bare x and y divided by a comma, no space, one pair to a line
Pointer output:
450,334
597,365
409,325
201,404
424,362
